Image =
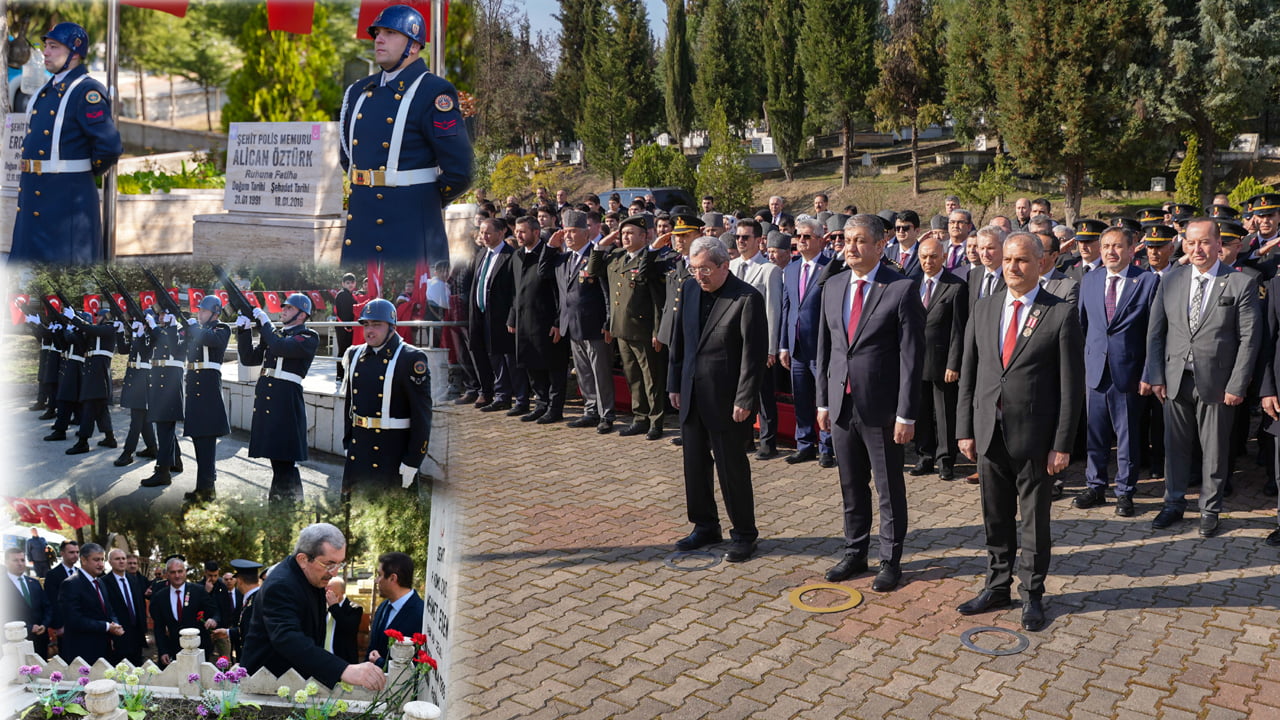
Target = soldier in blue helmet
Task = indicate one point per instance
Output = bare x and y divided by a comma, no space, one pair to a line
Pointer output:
70,139
95,378
136,343
388,404
206,414
405,148
279,429
73,346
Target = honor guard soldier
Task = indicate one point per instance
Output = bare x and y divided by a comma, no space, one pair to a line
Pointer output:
405,149
388,403
95,379
206,415
164,394
1262,243
47,373
137,346
72,345
279,430
70,139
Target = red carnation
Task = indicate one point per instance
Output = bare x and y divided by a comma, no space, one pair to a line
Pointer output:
423,657
395,635
419,639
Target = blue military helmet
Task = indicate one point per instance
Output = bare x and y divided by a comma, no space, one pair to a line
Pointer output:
84,316
299,301
379,310
71,35
403,19
211,303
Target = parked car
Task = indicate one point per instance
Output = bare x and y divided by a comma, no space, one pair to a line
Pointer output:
664,197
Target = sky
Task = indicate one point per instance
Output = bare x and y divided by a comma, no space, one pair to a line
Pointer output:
541,14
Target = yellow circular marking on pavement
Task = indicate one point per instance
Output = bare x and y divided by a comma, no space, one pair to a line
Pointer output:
796,597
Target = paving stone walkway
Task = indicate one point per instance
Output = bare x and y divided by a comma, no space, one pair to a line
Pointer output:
567,609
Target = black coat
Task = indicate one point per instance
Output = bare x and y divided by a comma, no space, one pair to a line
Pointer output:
490,327
346,626
37,612
50,358
164,391
95,376
676,277
197,607
73,343
53,581
286,628
374,452
85,621
944,322
536,307
128,646
206,414
133,392
279,429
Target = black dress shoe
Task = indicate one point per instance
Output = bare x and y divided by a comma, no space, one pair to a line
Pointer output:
55,436
740,551
1166,517
1033,618
532,415
851,564
585,421
176,467
496,406
518,410
946,472
550,418
677,441
698,539
467,399
1124,506
1091,497
482,403
79,448
1208,525
655,433
986,601
1056,492
159,478
799,456
108,442
827,460
48,414
924,467
888,578
36,406
634,428
766,452
147,452
1273,539
125,459
199,495
605,427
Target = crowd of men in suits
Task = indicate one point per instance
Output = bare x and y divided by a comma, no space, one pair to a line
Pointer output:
1017,345
96,604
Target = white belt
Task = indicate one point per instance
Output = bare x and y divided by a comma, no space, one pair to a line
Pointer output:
282,375
48,347
101,353
41,167
380,423
394,178
140,365
77,358
204,366
174,363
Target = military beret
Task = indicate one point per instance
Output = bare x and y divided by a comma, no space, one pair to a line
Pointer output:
1264,203
1221,212
938,222
779,241
1231,229
1127,223
1159,235
1149,216
1089,229
573,219
713,219
822,216
644,221
836,222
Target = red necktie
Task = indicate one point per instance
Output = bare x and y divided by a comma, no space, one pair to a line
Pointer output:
1010,335
101,602
856,313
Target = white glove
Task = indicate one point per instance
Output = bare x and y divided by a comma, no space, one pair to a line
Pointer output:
56,326
33,319
407,474
137,327
68,313
151,321
167,319
119,326
262,316
243,322
193,322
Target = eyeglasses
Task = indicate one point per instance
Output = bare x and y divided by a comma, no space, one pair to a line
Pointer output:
333,568
701,270
806,236
904,228
744,237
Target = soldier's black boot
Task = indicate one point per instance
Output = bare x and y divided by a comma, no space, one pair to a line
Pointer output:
56,435
159,478
81,447
108,442
126,458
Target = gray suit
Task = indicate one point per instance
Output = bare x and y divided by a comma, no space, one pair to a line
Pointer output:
1197,369
1057,283
766,278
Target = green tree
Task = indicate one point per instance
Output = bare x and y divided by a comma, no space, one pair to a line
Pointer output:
910,89
723,171
577,20
207,60
990,187
784,102
285,77
969,76
655,166
678,68
1245,189
839,66
715,80
621,103
1190,179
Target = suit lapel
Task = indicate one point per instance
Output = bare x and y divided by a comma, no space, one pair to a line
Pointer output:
1130,283
1215,289
874,293
1037,311
718,309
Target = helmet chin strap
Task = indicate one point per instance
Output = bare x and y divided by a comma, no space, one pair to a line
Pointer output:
408,47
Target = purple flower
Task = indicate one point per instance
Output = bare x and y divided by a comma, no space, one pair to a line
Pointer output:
36,669
193,678
202,711
57,710
223,663
241,673
84,670
219,678
24,670
84,681
55,676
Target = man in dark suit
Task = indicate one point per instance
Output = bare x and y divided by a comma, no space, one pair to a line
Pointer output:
402,608
127,601
778,217
492,347
583,314
720,344
946,306
26,601
63,571
1020,394
344,308
180,605
752,267
904,250
1115,306
1052,279
798,344
286,628
959,225
870,352
987,278
35,553
1202,344
343,624
541,353
221,596
89,623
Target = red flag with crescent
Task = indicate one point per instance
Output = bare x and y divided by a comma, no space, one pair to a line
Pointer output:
291,16
44,509
18,308
92,303
70,513
273,301
317,300
173,7
147,299
119,301
223,296
369,10
194,296
173,293
22,507
54,301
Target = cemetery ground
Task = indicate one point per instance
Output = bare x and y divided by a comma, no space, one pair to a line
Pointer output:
567,608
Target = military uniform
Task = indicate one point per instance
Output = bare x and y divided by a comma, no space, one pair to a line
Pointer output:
388,411
164,392
206,415
72,344
95,379
406,150
133,393
70,139
279,430
636,298
47,374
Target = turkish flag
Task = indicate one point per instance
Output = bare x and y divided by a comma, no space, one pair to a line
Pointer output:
147,299
44,509
92,303
173,7
23,508
223,296
317,300
55,302
369,10
18,308
273,301
194,296
373,271
422,273
291,16
173,293
70,513
119,301
253,299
